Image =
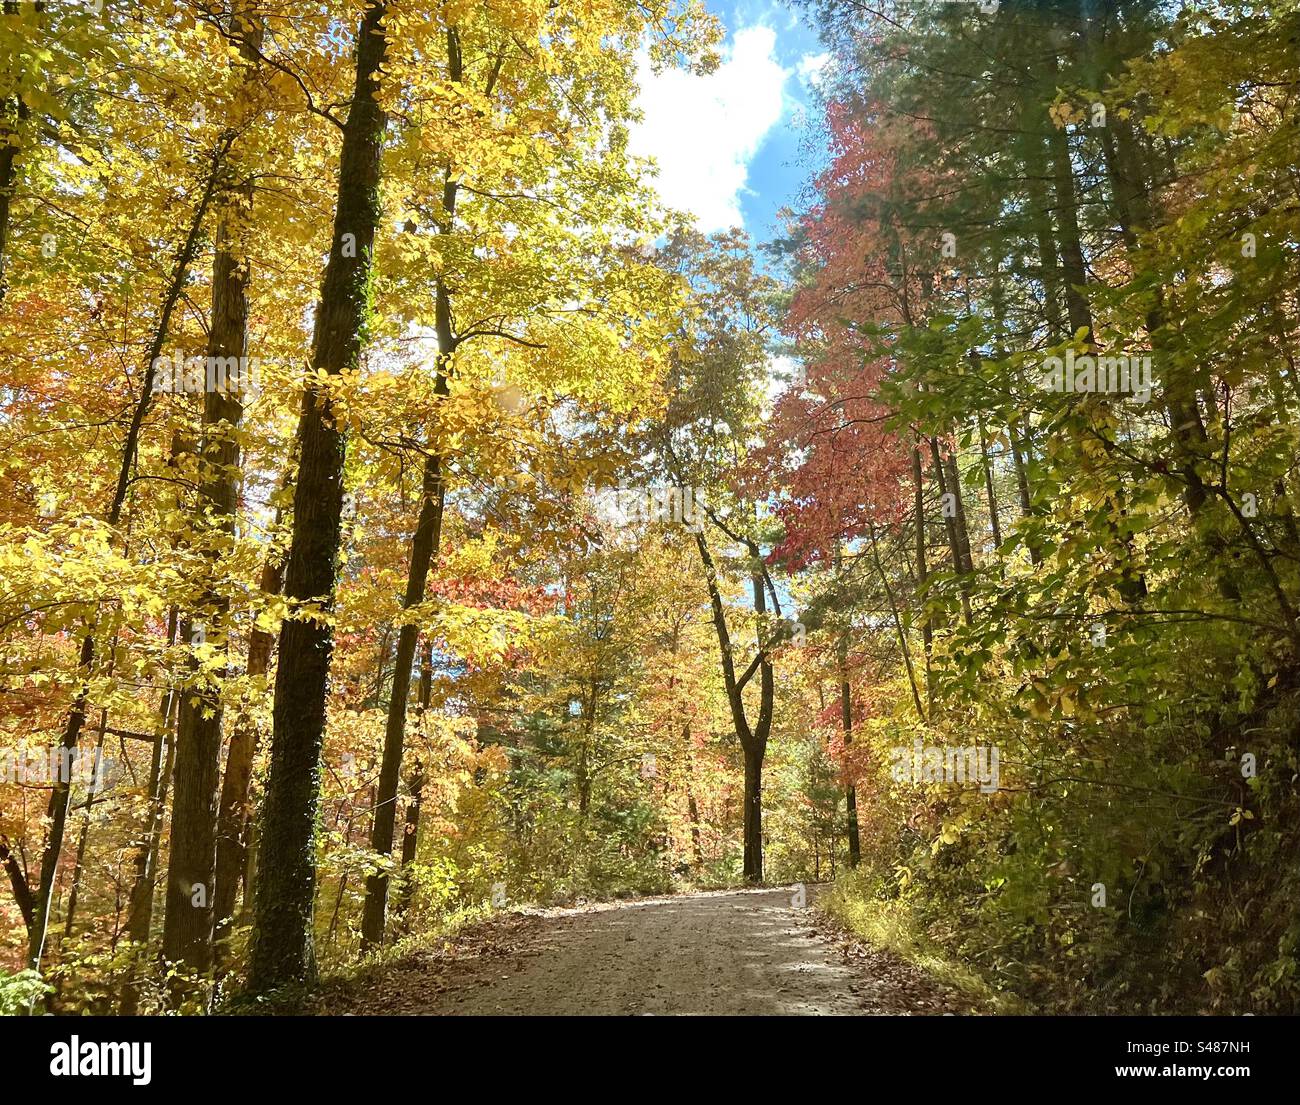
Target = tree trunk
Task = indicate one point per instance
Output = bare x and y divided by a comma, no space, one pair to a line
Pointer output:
233,814
17,881
1131,201
70,914
846,720
411,833
960,528
1049,271
950,513
897,619
191,871
922,568
424,552
753,865
1020,459
8,184
140,903
753,740
994,523
410,840
140,910
424,546
1073,267
282,951
13,113
756,745
57,813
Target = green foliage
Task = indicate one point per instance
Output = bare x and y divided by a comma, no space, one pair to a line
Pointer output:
1130,644
19,990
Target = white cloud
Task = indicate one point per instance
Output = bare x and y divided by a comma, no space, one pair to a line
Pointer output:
810,68
703,131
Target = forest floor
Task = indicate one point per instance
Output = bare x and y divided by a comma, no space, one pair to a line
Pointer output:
714,953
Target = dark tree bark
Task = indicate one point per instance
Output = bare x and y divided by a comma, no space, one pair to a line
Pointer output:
282,951
57,813
753,740
8,184
1020,460
13,113
70,914
428,533
846,720
424,553
17,881
233,810
922,568
692,806
1073,267
991,494
191,891
951,512
1134,211
188,920
753,816
411,831
961,529
140,903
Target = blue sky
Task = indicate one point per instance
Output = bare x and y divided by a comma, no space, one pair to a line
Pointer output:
730,146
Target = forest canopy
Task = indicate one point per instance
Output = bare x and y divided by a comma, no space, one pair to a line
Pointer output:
406,515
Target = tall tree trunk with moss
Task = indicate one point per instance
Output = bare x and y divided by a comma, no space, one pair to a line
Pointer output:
283,949
191,870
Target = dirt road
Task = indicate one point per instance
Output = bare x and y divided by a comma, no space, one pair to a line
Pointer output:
733,952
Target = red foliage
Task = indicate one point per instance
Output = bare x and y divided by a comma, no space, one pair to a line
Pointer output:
840,466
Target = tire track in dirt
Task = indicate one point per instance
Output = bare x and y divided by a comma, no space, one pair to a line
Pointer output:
746,952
